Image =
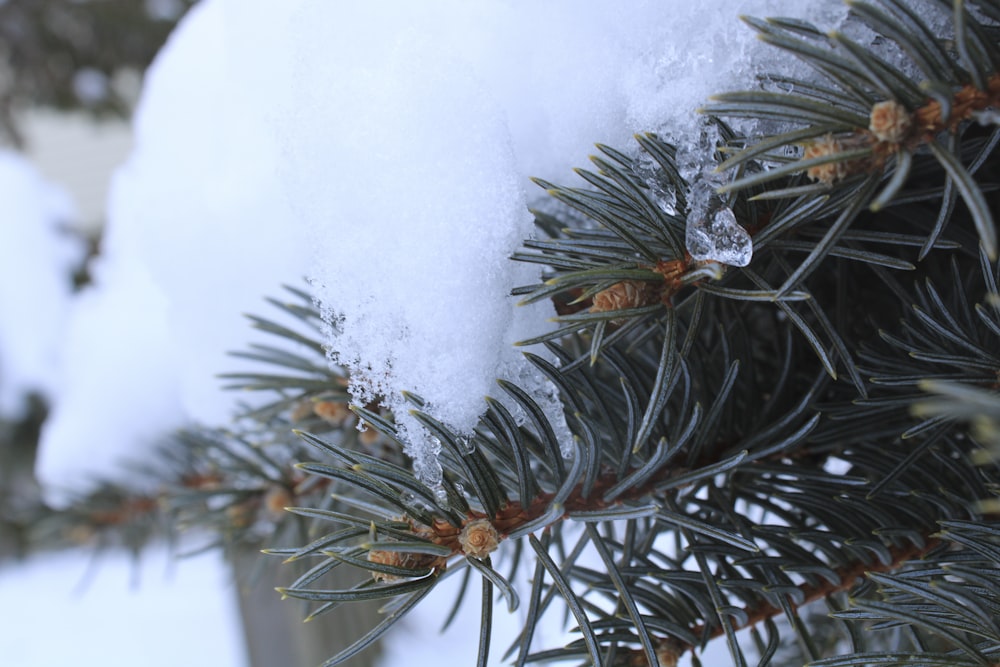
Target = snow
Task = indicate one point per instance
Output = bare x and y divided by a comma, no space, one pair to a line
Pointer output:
116,400
78,152
384,151
417,237
112,610
37,259
431,125
116,612
197,235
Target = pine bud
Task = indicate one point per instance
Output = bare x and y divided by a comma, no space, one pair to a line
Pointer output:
479,538
830,172
403,559
624,295
333,412
890,121
276,500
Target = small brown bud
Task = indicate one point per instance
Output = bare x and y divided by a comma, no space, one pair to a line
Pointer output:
404,559
830,172
408,560
667,654
333,412
479,538
276,500
890,121
623,295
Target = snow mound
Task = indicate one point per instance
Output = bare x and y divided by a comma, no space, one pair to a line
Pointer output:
37,259
197,235
384,150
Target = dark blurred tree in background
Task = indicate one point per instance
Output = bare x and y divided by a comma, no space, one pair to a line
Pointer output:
77,54
73,56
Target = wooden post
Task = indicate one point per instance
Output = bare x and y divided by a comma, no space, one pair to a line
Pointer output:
274,631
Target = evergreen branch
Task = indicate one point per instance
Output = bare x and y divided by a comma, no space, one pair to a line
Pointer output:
846,578
706,413
369,638
952,598
900,125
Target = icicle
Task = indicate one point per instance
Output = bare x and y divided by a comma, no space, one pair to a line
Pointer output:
712,230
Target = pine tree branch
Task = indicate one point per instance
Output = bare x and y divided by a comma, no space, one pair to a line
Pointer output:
848,576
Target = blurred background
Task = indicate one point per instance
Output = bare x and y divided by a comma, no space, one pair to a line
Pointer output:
71,72
70,76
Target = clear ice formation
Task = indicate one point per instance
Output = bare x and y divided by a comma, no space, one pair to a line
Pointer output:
713,233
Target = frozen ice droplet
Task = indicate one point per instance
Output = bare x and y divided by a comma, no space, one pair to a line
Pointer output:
715,234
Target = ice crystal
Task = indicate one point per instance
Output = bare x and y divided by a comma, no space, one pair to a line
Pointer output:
716,235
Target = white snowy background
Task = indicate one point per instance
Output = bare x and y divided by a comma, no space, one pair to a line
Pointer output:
37,257
382,150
